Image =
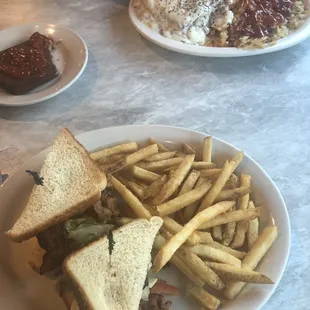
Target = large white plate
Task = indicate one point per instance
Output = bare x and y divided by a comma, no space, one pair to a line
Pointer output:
70,59
21,289
294,38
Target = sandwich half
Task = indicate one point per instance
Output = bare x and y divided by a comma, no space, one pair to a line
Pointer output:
68,183
111,273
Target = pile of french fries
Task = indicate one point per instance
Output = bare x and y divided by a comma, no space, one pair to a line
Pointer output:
211,225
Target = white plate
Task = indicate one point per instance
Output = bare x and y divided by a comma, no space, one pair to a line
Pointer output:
294,38
35,292
70,59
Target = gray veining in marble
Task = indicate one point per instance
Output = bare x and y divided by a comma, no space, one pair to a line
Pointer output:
259,104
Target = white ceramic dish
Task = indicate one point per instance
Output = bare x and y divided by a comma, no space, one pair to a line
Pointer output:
35,292
294,38
70,59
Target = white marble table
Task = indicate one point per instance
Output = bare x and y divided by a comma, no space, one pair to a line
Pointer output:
259,104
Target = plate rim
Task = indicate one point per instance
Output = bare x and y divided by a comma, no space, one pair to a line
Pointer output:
25,102
296,37
83,135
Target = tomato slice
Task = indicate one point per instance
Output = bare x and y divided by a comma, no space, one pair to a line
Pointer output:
162,287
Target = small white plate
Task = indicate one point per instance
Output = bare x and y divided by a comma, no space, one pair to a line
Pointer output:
70,59
292,39
37,292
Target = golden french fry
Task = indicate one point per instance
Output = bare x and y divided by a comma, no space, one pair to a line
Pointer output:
205,237
233,194
123,180
180,154
175,181
160,165
155,187
199,165
190,210
161,147
232,182
230,272
252,233
254,256
220,182
108,160
182,201
243,201
217,232
118,149
208,252
207,149
199,267
133,158
178,239
179,263
229,230
174,227
233,216
211,173
236,253
142,174
133,202
190,182
160,156
137,189
187,149
203,297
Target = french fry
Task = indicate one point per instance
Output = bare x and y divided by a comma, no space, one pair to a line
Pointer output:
229,231
199,165
254,256
232,194
190,182
203,297
118,149
133,158
123,180
108,160
133,202
178,239
175,181
161,147
252,233
160,165
208,252
205,237
190,210
187,149
199,267
211,173
245,180
232,182
180,154
145,175
207,149
217,232
174,227
229,272
155,187
160,156
137,189
236,253
233,216
220,182
182,201
179,263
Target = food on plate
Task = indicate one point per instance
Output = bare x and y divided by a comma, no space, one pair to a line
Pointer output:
97,217
222,23
27,65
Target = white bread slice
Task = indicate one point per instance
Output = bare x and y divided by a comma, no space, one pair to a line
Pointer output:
117,286
72,183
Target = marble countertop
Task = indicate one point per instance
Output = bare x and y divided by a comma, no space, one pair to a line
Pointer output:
259,104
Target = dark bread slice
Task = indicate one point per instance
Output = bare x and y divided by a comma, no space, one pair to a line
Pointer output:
72,182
